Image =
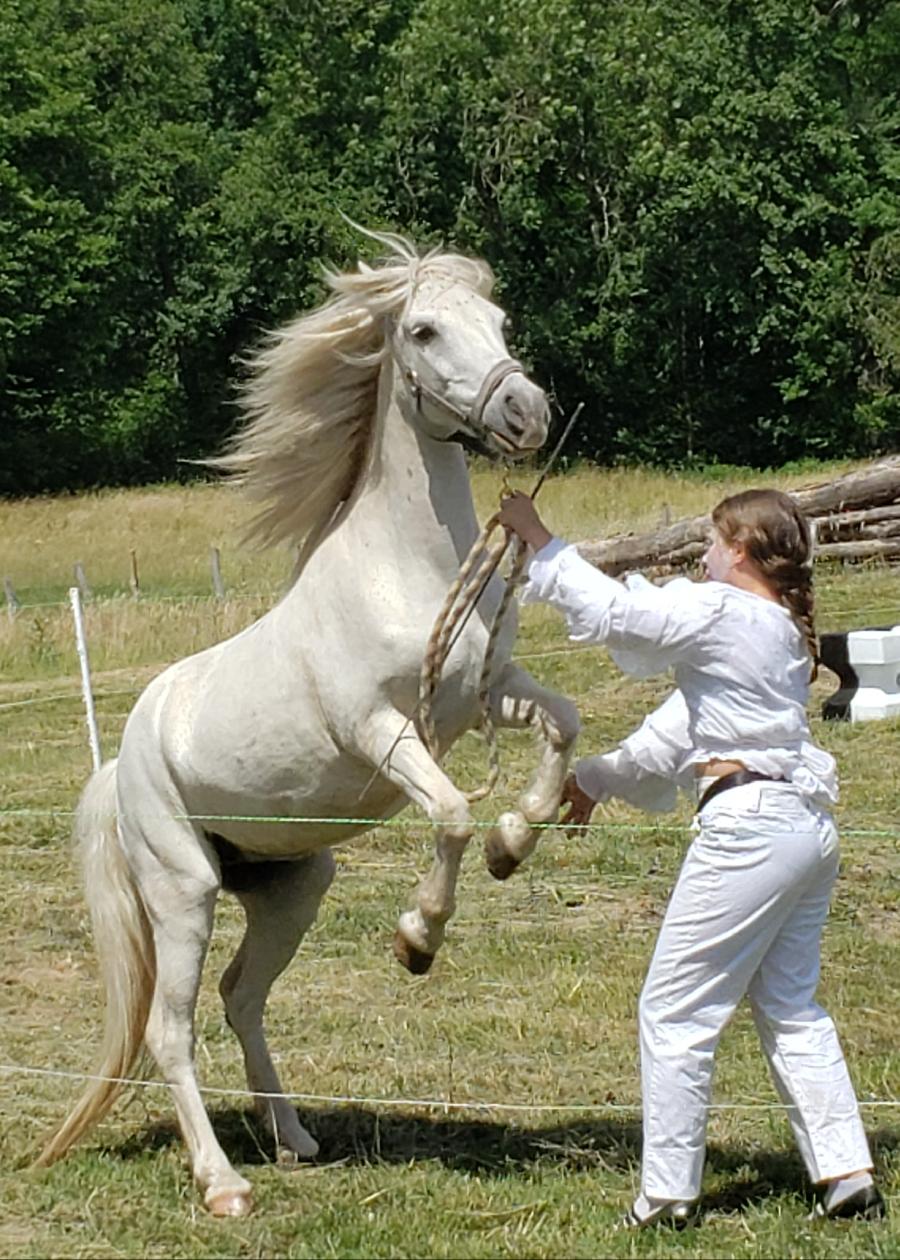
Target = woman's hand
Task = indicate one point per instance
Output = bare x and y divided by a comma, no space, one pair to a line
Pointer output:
581,806
517,513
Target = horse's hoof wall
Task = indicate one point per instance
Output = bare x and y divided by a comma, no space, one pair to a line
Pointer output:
414,960
301,1151
500,863
229,1203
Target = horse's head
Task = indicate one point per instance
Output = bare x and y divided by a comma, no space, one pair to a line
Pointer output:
450,347
311,395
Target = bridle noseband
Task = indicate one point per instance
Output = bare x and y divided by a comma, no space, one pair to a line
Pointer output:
473,419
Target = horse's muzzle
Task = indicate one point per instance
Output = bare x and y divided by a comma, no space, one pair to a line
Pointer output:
518,416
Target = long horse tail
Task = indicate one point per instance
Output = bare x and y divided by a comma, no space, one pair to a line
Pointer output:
124,944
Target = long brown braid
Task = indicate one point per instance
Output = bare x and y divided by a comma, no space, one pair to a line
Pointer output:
777,537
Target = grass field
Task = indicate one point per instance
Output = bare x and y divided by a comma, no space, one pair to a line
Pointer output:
531,1004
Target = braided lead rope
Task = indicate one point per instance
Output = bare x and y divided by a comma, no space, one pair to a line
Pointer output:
458,601
481,560
484,687
461,595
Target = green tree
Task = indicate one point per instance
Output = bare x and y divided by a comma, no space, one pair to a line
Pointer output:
676,196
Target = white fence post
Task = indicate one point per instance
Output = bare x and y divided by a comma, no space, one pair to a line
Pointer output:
87,693
81,579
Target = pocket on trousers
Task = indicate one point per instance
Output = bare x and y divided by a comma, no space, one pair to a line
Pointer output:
767,819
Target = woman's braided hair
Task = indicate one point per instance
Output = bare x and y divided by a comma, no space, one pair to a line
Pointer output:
777,537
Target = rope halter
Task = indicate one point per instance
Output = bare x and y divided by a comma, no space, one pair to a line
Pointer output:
473,418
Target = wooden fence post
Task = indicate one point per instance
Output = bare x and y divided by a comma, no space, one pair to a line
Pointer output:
134,580
216,570
12,602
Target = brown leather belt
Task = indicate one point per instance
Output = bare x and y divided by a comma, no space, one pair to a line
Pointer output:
737,778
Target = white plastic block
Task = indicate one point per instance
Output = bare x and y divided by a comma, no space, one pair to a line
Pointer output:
868,664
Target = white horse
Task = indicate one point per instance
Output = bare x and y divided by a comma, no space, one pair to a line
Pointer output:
348,445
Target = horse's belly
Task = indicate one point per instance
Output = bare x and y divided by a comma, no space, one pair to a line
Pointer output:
329,805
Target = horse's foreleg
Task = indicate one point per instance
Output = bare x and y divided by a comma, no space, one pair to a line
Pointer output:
280,900
410,766
517,700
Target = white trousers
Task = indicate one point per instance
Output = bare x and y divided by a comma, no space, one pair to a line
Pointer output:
746,917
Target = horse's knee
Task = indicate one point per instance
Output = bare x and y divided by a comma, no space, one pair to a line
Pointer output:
454,818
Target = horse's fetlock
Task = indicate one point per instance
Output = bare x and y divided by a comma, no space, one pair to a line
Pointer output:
537,807
422,931
435,912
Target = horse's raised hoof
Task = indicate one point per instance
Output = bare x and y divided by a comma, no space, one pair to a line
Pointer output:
229,1202
414,960
500,862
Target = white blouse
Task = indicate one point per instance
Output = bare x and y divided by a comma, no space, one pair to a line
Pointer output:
741,666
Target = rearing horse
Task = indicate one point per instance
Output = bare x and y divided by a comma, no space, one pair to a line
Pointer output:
348,445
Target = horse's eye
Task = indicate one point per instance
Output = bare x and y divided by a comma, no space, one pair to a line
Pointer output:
424,333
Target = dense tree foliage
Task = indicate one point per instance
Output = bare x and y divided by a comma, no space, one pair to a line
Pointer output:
691,208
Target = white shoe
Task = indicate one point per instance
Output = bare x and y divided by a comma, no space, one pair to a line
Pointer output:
648,1213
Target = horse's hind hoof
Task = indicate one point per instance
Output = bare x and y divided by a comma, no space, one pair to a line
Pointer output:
500,862
229,1203
414,960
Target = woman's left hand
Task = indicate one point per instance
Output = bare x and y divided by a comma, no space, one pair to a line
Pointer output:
517,513
581,806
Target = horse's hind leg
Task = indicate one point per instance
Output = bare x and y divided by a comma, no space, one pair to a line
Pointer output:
179,882
517,700
280,900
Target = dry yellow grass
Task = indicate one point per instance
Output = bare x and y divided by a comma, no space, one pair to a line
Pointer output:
172,528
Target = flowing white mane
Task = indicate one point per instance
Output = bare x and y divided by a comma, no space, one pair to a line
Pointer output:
310,401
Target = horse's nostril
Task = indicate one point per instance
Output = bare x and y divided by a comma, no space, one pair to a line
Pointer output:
515,428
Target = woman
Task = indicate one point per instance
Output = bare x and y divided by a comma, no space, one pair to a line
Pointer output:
747,911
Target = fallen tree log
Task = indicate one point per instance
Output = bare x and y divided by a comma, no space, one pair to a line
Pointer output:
865,523
682,542
865,549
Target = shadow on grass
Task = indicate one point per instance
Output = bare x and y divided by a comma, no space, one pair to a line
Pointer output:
495,1148
356,1135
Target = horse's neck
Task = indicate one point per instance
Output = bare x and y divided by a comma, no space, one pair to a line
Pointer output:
416,487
